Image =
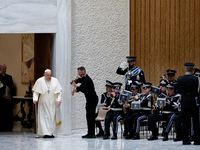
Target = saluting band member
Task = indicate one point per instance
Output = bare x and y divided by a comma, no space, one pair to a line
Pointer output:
132,72
188,86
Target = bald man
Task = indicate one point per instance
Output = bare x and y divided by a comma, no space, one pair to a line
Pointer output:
47,93
6,103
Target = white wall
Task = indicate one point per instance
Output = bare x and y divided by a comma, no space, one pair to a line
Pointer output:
28,16
100,42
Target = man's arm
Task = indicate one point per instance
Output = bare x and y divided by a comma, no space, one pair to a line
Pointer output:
35,97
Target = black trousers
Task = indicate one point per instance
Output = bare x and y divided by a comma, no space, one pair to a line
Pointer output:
187,114
113,116
131,119
6,111
153,118
178,125
90,116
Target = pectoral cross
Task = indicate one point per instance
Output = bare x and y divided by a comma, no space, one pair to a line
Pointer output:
48,91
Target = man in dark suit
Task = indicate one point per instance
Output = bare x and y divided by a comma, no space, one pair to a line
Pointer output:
87,87
188,88
6,104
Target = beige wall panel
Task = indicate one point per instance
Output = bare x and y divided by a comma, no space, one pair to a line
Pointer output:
197,34
152,40
164,34
147,58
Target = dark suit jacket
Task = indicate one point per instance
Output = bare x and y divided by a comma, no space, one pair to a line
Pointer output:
7,81
188,88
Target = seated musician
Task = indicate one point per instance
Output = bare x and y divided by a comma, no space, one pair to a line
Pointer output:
130,114
106,99
146,107
164,113
114,114
162,86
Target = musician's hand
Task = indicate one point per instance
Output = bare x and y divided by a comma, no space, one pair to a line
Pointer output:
161,107
35,102
72,92
108,94
74,84
168,102
58,103
127,105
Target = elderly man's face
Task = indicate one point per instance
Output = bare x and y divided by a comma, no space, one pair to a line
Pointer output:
3,69
47,75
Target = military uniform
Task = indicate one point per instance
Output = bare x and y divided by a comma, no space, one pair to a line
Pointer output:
132,73
188,87
146,105
167,113
114,114
106,101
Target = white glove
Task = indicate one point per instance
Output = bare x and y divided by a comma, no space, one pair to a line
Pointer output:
123,65
129,82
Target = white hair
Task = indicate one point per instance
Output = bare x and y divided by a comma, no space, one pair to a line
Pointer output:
47,70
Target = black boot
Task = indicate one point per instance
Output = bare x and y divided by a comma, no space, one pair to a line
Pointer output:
114,137
136,136
105,137
153,137
178,138
129,136
101,133
165,138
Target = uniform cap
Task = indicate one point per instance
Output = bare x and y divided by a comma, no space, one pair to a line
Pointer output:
189,65
130,59
170,71
109,83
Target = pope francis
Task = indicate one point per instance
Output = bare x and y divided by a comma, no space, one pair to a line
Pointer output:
47,93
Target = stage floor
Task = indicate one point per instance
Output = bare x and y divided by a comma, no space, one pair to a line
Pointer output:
24,139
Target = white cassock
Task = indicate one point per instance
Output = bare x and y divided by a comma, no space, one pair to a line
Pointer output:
48,93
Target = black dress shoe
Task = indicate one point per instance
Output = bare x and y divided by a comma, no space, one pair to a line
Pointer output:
100,134
48,136
125,134
197,143
186,143
177,139
136,137
165,138
91,136
85,136
152,137
114,137
105,137
128,137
